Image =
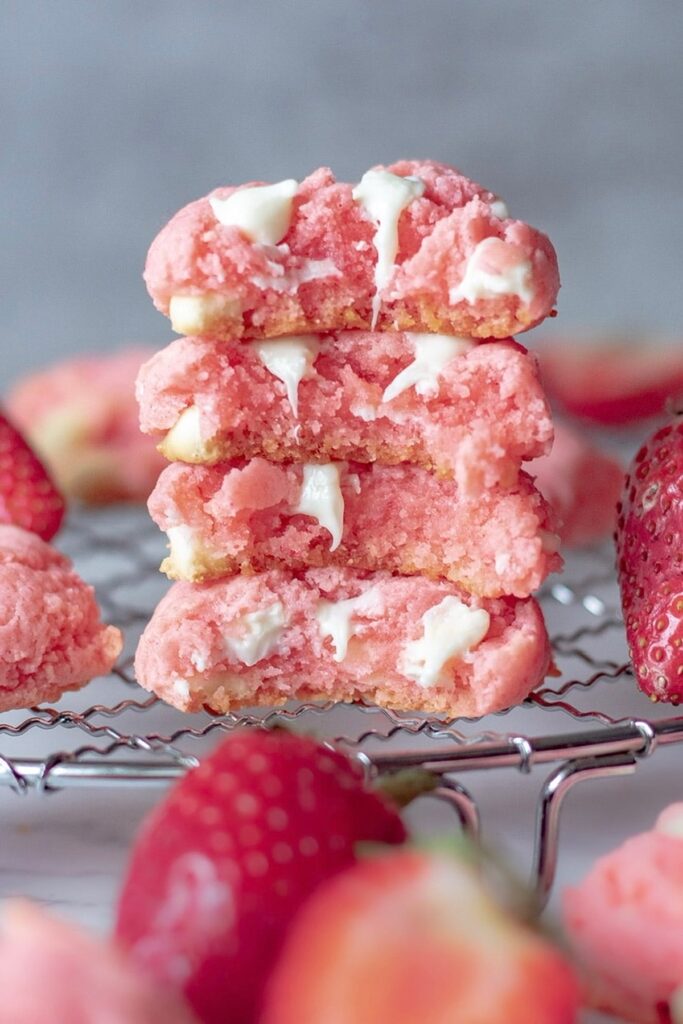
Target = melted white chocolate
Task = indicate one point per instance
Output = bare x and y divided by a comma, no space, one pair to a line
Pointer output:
321,497
384,197
478,283
259,634
290,359
449,629
433,352
262,212
335,618
283,279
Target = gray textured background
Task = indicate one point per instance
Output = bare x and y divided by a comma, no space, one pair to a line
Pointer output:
114,114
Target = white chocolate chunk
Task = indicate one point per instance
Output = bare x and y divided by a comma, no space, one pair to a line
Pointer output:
184,440
259,635
321,497
479,283
433,352
290,359
335,618
263,212
384,197
499,209
449,629
181,689
185,550
197,314
288,280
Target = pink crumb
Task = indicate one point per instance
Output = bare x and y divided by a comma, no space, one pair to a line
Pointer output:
185,652
265,290
243,517
51,635
485,414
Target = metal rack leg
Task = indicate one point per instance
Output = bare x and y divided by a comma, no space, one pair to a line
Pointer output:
555,789
464,805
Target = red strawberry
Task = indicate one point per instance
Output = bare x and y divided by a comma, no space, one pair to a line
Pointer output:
611,382
411,937
28,498
227,859
650,562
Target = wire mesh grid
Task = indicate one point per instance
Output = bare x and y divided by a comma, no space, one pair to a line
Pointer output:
588,721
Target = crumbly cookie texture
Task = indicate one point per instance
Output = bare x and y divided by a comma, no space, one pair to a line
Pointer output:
415,246
473,412
337,634
51,635
624,921
246,517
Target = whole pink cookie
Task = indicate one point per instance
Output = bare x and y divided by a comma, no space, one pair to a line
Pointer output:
338,634
583,485
51,635
461,409
81,416
246,517
53,973
625,923
415,246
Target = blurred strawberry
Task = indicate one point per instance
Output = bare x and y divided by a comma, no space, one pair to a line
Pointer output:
227,859
414,937
28,498
611,382
649,541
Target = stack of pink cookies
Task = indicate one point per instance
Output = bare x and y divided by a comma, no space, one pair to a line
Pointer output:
346,420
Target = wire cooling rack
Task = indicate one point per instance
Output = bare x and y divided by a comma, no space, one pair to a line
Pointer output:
589,722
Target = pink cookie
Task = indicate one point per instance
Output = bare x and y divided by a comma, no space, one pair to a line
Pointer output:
625,922
583,485
51,636
414,247
402,642
246,517
441,402
52,973
81,416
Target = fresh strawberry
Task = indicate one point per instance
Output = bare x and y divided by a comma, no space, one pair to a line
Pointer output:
227,859
28,498
611,382
412,937
649,541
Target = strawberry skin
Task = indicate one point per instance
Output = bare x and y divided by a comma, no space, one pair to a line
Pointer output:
612,382
28,498
649,542
226,860
411,937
